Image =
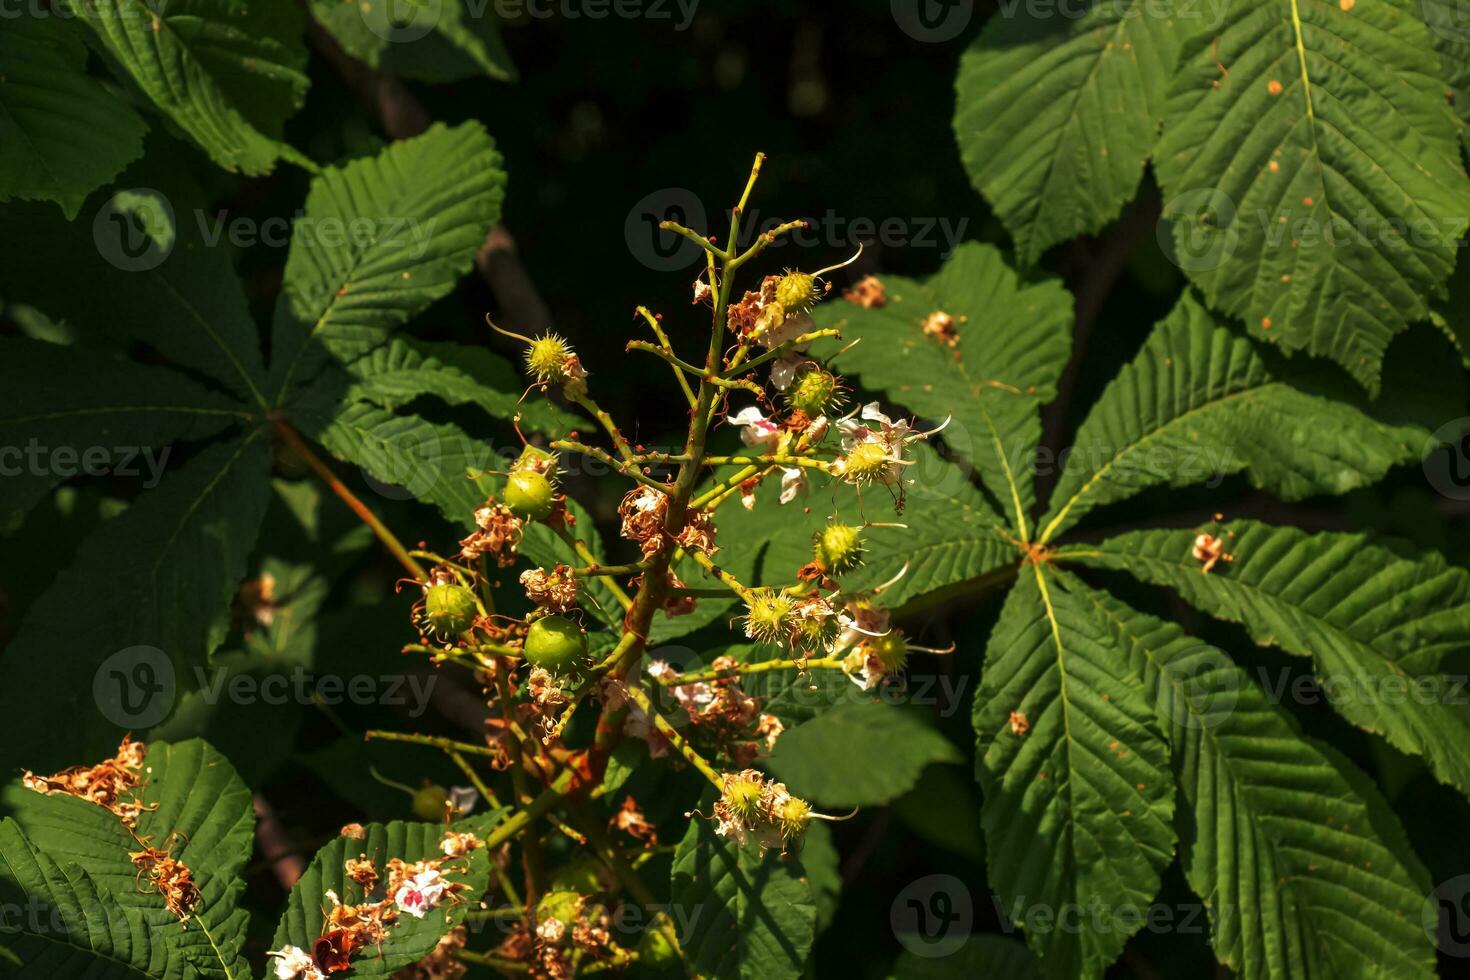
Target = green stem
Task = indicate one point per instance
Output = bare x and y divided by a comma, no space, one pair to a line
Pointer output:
663,340
380,530
763,667
637,695
616,434
780,350
434,741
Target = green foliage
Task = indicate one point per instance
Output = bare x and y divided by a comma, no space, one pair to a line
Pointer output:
1013,338
816,761
81,931
411,938
197,808
755,915
225,72
1075,745
1032,100
302,483
48,109
1078,796
438,41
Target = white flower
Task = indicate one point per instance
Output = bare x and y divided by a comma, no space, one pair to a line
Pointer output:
463,799
659,669
793,326
695,697
783,372
793,482
756,429
420,893
294,963
876,455
861,618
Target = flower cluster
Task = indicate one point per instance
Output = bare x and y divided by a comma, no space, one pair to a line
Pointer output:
717,708
169,877
754,807
497,534
567,931
112,784
412,888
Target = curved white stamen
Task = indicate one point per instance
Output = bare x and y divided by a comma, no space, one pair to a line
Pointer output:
879,589
937,651
833,268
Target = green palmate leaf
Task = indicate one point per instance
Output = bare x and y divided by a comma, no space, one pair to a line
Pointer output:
755,917
115,422
1313,171
401,370
1078,800
62,134
1378,624
65,926
1282,846
408,456
156,584
1056,115
950,537
226,72
438,464
198,809
1449,31
1200,402
410,939
1013,341
168,282
384,236
817,760
429,40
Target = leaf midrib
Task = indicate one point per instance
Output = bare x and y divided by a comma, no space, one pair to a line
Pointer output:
1144,437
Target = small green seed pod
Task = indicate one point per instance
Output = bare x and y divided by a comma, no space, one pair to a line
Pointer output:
557,644
742,792
546,359
529,495
767,616
449,609
892,650
838,548
797,292
792,815
429,803
868,462
816,392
